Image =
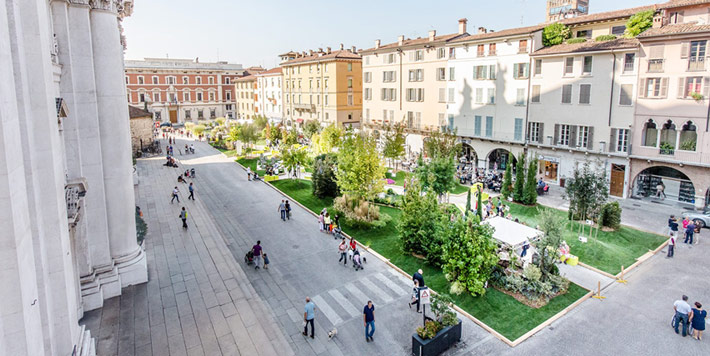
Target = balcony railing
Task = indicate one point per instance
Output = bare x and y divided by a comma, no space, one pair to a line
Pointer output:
696,64
666,151
655,65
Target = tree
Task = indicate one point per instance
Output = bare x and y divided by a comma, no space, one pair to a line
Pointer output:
310,127
586,191
276,135
233,135
360,170
260,122
555,34
438,174
293,158
267,132
469,256
442,144
394,141
468,202
198,129
479,203
507,188
639,22
249,134
291,138
419,224
519,186
327,140
553,226
323,178
530,191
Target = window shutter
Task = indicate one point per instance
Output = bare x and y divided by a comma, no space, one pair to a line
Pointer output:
642,88
680,17
573,136
492,72
484,73
681,88
557,134
656,52
590,138
541,133
515,70
526,69
664,87
612,140
684,50
706,86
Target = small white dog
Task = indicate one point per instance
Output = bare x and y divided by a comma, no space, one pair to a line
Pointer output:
332,333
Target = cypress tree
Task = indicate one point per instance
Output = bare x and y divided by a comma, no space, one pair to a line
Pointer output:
530,195
507,189
519,179
468,202
479,205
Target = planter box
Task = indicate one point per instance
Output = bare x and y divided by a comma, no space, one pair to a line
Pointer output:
440,343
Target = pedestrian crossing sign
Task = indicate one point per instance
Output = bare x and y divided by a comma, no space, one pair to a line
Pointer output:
424,295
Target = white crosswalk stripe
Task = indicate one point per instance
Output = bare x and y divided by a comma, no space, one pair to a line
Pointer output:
396,287
381,295
401,277
344,302
323,307
357,293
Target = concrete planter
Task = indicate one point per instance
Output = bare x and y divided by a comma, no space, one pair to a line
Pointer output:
440,343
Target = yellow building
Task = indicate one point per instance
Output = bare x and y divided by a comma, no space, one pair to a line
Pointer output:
322,85
245,88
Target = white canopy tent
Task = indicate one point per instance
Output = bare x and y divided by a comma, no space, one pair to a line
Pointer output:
511,233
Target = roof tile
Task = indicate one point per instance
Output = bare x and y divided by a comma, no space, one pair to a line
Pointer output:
589,46
342,54
675,29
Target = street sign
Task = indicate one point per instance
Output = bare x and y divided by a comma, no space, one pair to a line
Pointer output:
424,295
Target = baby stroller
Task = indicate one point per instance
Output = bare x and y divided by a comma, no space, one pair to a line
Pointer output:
337,233
249,258
357,263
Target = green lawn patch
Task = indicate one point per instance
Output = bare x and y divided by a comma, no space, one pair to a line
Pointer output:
251,163
228,153
460,189
608,252
398,177
498,310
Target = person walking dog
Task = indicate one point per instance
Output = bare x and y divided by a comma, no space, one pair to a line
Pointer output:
309,314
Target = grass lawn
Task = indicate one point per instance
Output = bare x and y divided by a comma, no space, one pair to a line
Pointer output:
608,252
460,189
251,162
398,177
228,153
498,310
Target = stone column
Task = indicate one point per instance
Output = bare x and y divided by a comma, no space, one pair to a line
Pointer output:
115,141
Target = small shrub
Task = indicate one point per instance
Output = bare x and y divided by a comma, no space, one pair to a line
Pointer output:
360,213
610,215
555,34
532,273
576,40
604,38
688,145
429,330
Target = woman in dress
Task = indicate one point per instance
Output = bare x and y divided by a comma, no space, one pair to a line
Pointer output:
698,321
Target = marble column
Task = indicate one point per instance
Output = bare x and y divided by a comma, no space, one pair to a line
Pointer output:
115,141
99,277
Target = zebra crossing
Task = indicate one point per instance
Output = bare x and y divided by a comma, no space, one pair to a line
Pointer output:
344,303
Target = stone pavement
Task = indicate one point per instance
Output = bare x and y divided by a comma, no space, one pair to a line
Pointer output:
197,300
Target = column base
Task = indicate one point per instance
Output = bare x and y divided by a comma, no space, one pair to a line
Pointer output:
103,283
132,268
85,346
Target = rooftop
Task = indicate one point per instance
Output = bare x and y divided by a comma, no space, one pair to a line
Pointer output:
248,78
320,56
135,112
414,42
606,16
685,28
679,3
180,63
589,46
496,34
271,71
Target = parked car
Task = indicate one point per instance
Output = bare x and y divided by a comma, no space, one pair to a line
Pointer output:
701,219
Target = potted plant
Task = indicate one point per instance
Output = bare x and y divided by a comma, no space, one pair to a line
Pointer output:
439,333
666,148
697,96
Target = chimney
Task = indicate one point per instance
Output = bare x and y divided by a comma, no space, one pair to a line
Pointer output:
432,35
482,30
377,44
353,49
341,46
462,26
310,52
327,50
320,50
400,40
657,20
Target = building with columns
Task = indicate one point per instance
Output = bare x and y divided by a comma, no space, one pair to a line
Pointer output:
70,239
180,90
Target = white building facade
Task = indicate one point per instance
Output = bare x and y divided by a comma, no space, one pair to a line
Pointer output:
70,238
268,94
487,93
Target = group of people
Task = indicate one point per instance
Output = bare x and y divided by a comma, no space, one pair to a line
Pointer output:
686,316
252,175
349,251
492,209
285,210
258,254
687,227
368,318
326,223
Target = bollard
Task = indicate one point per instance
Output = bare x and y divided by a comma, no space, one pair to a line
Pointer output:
599,291
621,277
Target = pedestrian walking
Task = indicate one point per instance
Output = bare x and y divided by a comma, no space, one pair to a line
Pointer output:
256,249
671,246
192,192
282,210
175,195
689,232
326,223
660,188
418,276
288,210
183,217
353,247
343,251
368,316
309,313
673,225
682,312
697,320
336,221
249,173
320,222
266,261
685,223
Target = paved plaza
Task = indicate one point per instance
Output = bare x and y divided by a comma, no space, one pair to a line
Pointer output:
201,299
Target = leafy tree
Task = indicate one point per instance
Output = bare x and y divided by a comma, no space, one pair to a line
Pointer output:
530,191
310,127
438,174
198,129
553,226
394,141
639,22
555,34
293,158
249,134
266,133
506,189
220,121
469,256
327,140
360,171
610,215
419,224
442,144
291,138
276,135
260,122
586,191
233,135
324,182
519,186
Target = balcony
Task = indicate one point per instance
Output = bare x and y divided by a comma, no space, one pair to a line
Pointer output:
74,193
666,151
305,107
696,64
655,65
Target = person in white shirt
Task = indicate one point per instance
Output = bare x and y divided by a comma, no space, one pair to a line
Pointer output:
682,313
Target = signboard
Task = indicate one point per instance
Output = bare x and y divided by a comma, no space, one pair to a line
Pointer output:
424,295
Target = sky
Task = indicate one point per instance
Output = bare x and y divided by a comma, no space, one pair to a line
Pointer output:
256,32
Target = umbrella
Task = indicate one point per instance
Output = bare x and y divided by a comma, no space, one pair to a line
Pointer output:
166,124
